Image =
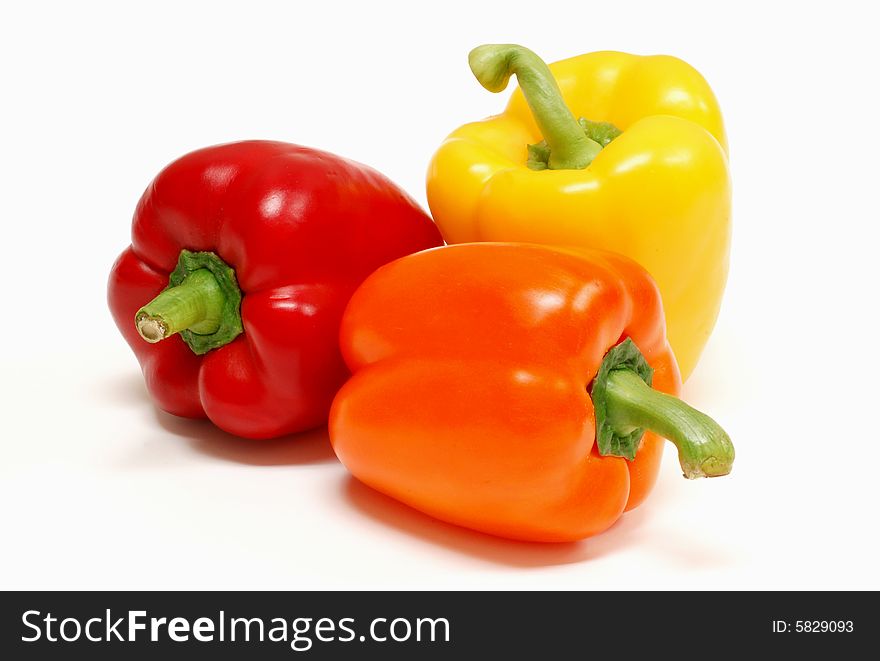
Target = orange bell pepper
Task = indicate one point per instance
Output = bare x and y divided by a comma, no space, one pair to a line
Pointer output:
473,368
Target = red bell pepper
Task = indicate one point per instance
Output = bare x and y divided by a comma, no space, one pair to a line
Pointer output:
243,257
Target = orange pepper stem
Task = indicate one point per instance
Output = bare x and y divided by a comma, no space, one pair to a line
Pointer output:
704,448
626,405
569,146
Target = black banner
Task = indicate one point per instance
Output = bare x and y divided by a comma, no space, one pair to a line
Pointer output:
422,625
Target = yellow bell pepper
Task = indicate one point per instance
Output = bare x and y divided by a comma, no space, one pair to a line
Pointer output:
647,177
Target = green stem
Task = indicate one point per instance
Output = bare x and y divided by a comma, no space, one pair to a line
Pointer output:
494,64
704,448
202,302
626,405
195,305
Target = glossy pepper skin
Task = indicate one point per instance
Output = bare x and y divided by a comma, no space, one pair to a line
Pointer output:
658,193
469,397
300,229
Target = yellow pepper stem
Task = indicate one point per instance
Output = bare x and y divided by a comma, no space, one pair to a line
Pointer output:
493,65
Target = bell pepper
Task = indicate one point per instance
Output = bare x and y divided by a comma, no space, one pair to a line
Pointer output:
605,150
243,257
515,389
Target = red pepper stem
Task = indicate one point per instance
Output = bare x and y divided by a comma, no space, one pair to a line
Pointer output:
196,305
704,448
202,303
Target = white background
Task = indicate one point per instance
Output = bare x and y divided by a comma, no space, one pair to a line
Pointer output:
99,490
